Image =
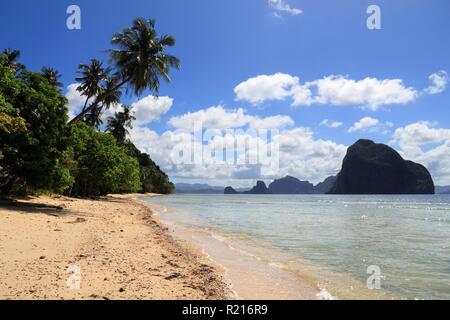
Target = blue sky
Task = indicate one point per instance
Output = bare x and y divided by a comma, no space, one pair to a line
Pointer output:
224,43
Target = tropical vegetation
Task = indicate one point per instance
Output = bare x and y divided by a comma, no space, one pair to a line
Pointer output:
42,151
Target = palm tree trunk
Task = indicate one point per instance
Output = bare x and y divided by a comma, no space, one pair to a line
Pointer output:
85,104
97,101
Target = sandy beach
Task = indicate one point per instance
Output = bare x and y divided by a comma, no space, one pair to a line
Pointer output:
111,248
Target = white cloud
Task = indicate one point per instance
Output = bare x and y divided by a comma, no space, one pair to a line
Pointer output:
75,100
427,145
282,6
300,153
151,108
370,92
371,125
266,87
331,124
217,117
336,90
438,82
364,123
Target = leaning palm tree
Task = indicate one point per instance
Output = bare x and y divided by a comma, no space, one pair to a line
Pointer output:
140,60
93,118
52,76
90,79
113,98
118,124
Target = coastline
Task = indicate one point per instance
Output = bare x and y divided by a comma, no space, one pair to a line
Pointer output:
115,247
249,275
256,270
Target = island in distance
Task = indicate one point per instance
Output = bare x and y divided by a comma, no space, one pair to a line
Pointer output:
373,168
287,185
368,168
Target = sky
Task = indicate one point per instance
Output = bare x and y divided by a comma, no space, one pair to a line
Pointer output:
309,71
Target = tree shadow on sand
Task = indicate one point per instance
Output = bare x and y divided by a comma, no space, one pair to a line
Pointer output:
36,208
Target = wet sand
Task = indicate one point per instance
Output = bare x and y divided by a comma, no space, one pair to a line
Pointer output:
111,249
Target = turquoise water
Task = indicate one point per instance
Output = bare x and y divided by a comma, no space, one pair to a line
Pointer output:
407,237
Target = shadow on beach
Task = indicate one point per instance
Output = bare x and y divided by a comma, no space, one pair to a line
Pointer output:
20,205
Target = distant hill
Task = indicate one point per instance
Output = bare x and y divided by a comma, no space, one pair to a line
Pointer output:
291,185
201,188
260,188
287,185
442,189
197,188
371,168
325,186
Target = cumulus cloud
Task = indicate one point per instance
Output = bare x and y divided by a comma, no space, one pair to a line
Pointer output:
364,123
282,6
299,152
151,108
217,117
428,145
331,124
278,86
370,92
75,100
372,125
438,82
336,90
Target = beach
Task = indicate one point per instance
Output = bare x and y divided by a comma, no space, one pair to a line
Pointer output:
98,249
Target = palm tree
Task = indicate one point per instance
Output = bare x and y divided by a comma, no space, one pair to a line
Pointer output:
12,56
114,92
52,76
90,79
94,116
140,60
118,124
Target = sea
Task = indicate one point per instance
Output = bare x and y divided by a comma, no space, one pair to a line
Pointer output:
319,246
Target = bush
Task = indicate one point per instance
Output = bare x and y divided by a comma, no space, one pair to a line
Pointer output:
100,166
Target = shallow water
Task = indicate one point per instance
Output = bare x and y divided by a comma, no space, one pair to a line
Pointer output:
334,239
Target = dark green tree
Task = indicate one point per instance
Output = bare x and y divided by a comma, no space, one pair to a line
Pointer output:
52,76
33,132
100,166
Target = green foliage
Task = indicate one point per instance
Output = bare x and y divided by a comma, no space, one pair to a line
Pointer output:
152,178
41,152
100,165
33,131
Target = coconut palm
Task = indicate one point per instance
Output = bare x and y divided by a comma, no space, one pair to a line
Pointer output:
118,124
90,79
52,76
140,60
93,118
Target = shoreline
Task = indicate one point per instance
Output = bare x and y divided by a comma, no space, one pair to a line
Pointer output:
250,276
113,248
259,271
